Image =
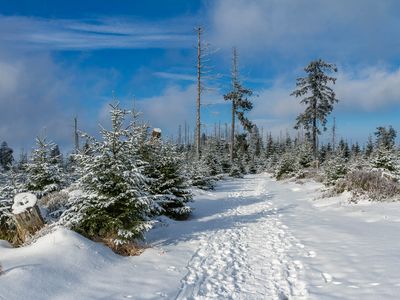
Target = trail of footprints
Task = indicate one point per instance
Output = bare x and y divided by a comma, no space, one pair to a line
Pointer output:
246,261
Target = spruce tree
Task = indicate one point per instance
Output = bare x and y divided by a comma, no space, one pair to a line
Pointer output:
239,96
385,138
167,184
318,97
6,156
115,204
43,175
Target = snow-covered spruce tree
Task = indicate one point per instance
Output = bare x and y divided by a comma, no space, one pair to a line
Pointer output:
256,164
11,183
335,168
385,159
44,175
318,97
236,169
304,154
384,156
240,98
287,166
242,156
6,156
199,173
167,184
213,157
114,205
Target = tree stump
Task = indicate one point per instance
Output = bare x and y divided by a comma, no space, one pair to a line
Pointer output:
156,134
26,215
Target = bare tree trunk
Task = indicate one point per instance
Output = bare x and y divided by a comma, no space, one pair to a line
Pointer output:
180,134
334,135
198,123
76,135
234,81
314,130
232,131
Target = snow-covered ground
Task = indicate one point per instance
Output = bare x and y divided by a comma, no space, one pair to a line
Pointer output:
251,238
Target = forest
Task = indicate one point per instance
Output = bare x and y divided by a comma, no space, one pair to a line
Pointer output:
117,184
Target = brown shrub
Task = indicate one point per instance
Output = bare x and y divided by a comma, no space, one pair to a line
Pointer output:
126,249
372,183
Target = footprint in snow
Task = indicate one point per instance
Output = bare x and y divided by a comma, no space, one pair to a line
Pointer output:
161,294
374,284
311,254
327,277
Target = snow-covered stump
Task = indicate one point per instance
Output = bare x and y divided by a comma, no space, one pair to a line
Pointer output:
27,215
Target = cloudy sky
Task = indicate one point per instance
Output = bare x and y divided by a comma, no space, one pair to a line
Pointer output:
60,59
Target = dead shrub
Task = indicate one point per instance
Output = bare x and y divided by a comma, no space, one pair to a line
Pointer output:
372,183
125,249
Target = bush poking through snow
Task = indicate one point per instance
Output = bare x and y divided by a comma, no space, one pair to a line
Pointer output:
372,183
125,249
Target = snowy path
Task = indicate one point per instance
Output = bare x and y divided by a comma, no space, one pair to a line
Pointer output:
248,260
251,238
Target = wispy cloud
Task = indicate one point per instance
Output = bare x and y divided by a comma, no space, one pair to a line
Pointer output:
175,76
91,34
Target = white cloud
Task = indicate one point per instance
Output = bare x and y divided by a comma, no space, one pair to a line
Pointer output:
369,89
170,109
175,76
289,28
40,96
89,34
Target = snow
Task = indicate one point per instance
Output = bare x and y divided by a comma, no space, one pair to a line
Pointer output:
251,238
158,130
22,202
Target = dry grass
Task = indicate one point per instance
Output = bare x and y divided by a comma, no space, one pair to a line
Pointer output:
370,183
127,249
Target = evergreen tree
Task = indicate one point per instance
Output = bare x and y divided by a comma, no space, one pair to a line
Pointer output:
11,183
23,160
6,156
343,149
385,138
114,204
43,175
384,158
239,96
270,147
319,98
304,155
355,150
335,168
369,148
55,155
167,182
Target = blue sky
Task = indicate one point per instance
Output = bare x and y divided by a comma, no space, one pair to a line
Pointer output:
64,58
